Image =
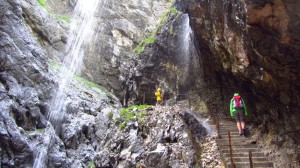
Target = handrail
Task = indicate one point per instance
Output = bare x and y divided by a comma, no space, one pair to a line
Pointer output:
250,159
230,149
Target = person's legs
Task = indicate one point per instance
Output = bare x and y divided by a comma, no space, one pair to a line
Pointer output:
238,124
242,119
243,124
239,121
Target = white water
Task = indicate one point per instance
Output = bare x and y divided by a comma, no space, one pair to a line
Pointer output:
187,50
80,36
81,33
204,122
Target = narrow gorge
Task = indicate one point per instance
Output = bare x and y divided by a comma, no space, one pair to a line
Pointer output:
77,81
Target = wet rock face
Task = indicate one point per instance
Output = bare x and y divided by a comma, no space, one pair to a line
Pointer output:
121,26
253,46
171,62
195,126
25,86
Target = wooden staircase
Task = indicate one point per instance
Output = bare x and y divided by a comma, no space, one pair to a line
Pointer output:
242,147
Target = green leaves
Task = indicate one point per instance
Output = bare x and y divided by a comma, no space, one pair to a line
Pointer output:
135,112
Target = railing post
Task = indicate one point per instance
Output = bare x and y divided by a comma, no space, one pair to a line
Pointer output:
218,129
230,149
144,98
189,100
250,159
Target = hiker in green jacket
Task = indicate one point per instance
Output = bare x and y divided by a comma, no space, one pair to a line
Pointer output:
239,111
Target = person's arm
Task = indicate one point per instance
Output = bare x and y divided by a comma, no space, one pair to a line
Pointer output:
230,108
245,108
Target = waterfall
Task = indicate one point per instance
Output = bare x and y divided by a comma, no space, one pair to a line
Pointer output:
187,50
204,122
187,56
80,36
82,26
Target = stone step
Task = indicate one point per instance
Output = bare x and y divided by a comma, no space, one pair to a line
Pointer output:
244,150
242,154
228,126
234,141
226,131
235,132
254,159
221,146
240,147
232,135
247,164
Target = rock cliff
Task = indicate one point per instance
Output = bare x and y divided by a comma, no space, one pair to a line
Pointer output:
208,48
250,47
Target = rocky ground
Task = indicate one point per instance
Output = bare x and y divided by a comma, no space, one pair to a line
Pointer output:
189,141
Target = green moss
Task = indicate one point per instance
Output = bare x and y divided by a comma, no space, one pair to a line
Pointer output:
42,2
58,17
37,131
53,64
138,106
128,114
110,115
173,11
140,115
122,125
148,40
62,18
125,114
88,83
91,164
140,47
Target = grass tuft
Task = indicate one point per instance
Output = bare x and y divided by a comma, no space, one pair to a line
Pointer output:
91,164
58,17
128,113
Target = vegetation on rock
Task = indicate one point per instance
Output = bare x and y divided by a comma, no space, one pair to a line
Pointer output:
136,112
148,40
58,17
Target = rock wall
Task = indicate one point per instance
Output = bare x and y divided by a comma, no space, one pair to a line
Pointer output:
25,85
250,47
27,82
121,26
88,133
253,47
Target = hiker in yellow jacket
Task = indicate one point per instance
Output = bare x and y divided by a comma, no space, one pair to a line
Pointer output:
158,96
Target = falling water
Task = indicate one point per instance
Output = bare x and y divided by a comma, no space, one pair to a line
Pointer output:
204,122
82,26
187,50
81,31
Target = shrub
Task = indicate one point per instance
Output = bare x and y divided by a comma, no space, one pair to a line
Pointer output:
91,164
127,114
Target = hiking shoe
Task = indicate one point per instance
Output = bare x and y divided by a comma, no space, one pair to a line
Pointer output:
243,132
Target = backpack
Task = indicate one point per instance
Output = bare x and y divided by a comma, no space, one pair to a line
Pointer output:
237,102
